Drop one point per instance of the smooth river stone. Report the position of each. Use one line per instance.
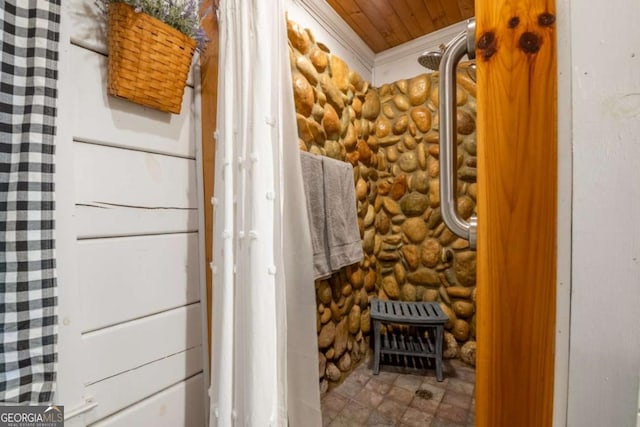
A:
(422, 118)
(465, 268)
(402, 85)
(365, 322)
(370, 280)
(342, 335)
(384, 187)
(350, 138)
(339, 73)
(307, 69)
(361, 189)
(368, 241)
(356, 104)
(450, 314)
(422, 156)
(324, 292)
(302, 93)
(408, 292)
(354, 319)
(472, 190)
(465, 122)
(430, 295)
(408, 161)
(463, 308)
(460, 330)
(388, 111)
(364, 152)
(420, 182)
(468, 353)
(392, 154)
(465, 206)
(400, 125)
(322, 364)
(415, 229)
(370, 216)
(459, 291)
(450, 350)
(382, 223)
(390, 286)
(331, 123)
(424, 276)
(298, 37)
(433, 167)
(409, 142)
(333, 94)
(345, 362)
(434, 193)
(334, 150)
(304, 132)
(391, 206)
(399, 187)
(410, 253)
(318, 59)
(327, 335)
(319, 135)
(371, 106)
(399, 272)
(401, 102)
(430, 252)
(419, 89)
(414, 204)
(326, 316)
(333, 372)
(356, 80)
(383, 127)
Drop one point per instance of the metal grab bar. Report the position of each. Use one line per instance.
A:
(463, 43)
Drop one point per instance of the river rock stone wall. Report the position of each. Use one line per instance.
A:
(390, 136)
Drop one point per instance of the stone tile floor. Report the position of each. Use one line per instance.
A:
(402, 397)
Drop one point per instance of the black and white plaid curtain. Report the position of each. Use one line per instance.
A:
(29, 32)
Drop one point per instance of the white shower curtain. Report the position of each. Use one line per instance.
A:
(264, 354)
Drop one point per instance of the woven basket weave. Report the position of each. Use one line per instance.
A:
(148, 60)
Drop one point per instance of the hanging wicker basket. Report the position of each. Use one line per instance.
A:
(148, 60)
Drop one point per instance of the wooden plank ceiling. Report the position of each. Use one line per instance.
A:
(383, 24)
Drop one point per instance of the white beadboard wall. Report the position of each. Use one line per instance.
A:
(132, 341)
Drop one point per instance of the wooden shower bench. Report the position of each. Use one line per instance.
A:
(423, 315)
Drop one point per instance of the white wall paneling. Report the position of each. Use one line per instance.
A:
(128, 246)
(118, 392)
(605, 332)
(117, 122)
(126, 346)
(178, 405)
(140, 275)
(123, 192)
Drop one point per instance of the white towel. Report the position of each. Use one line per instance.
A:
(313, 177)
(340, 203)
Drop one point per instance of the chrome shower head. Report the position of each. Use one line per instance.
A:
(430, 60)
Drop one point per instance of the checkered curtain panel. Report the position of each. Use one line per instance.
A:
(29, 32)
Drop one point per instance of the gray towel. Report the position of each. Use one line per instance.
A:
(343, 234)
(313, 177)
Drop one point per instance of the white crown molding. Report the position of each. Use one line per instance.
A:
(417, 46)
(329, 19)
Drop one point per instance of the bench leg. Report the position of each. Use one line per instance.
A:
(376, 347)
(439, 338)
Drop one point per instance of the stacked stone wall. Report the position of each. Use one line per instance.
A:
(390, 136)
